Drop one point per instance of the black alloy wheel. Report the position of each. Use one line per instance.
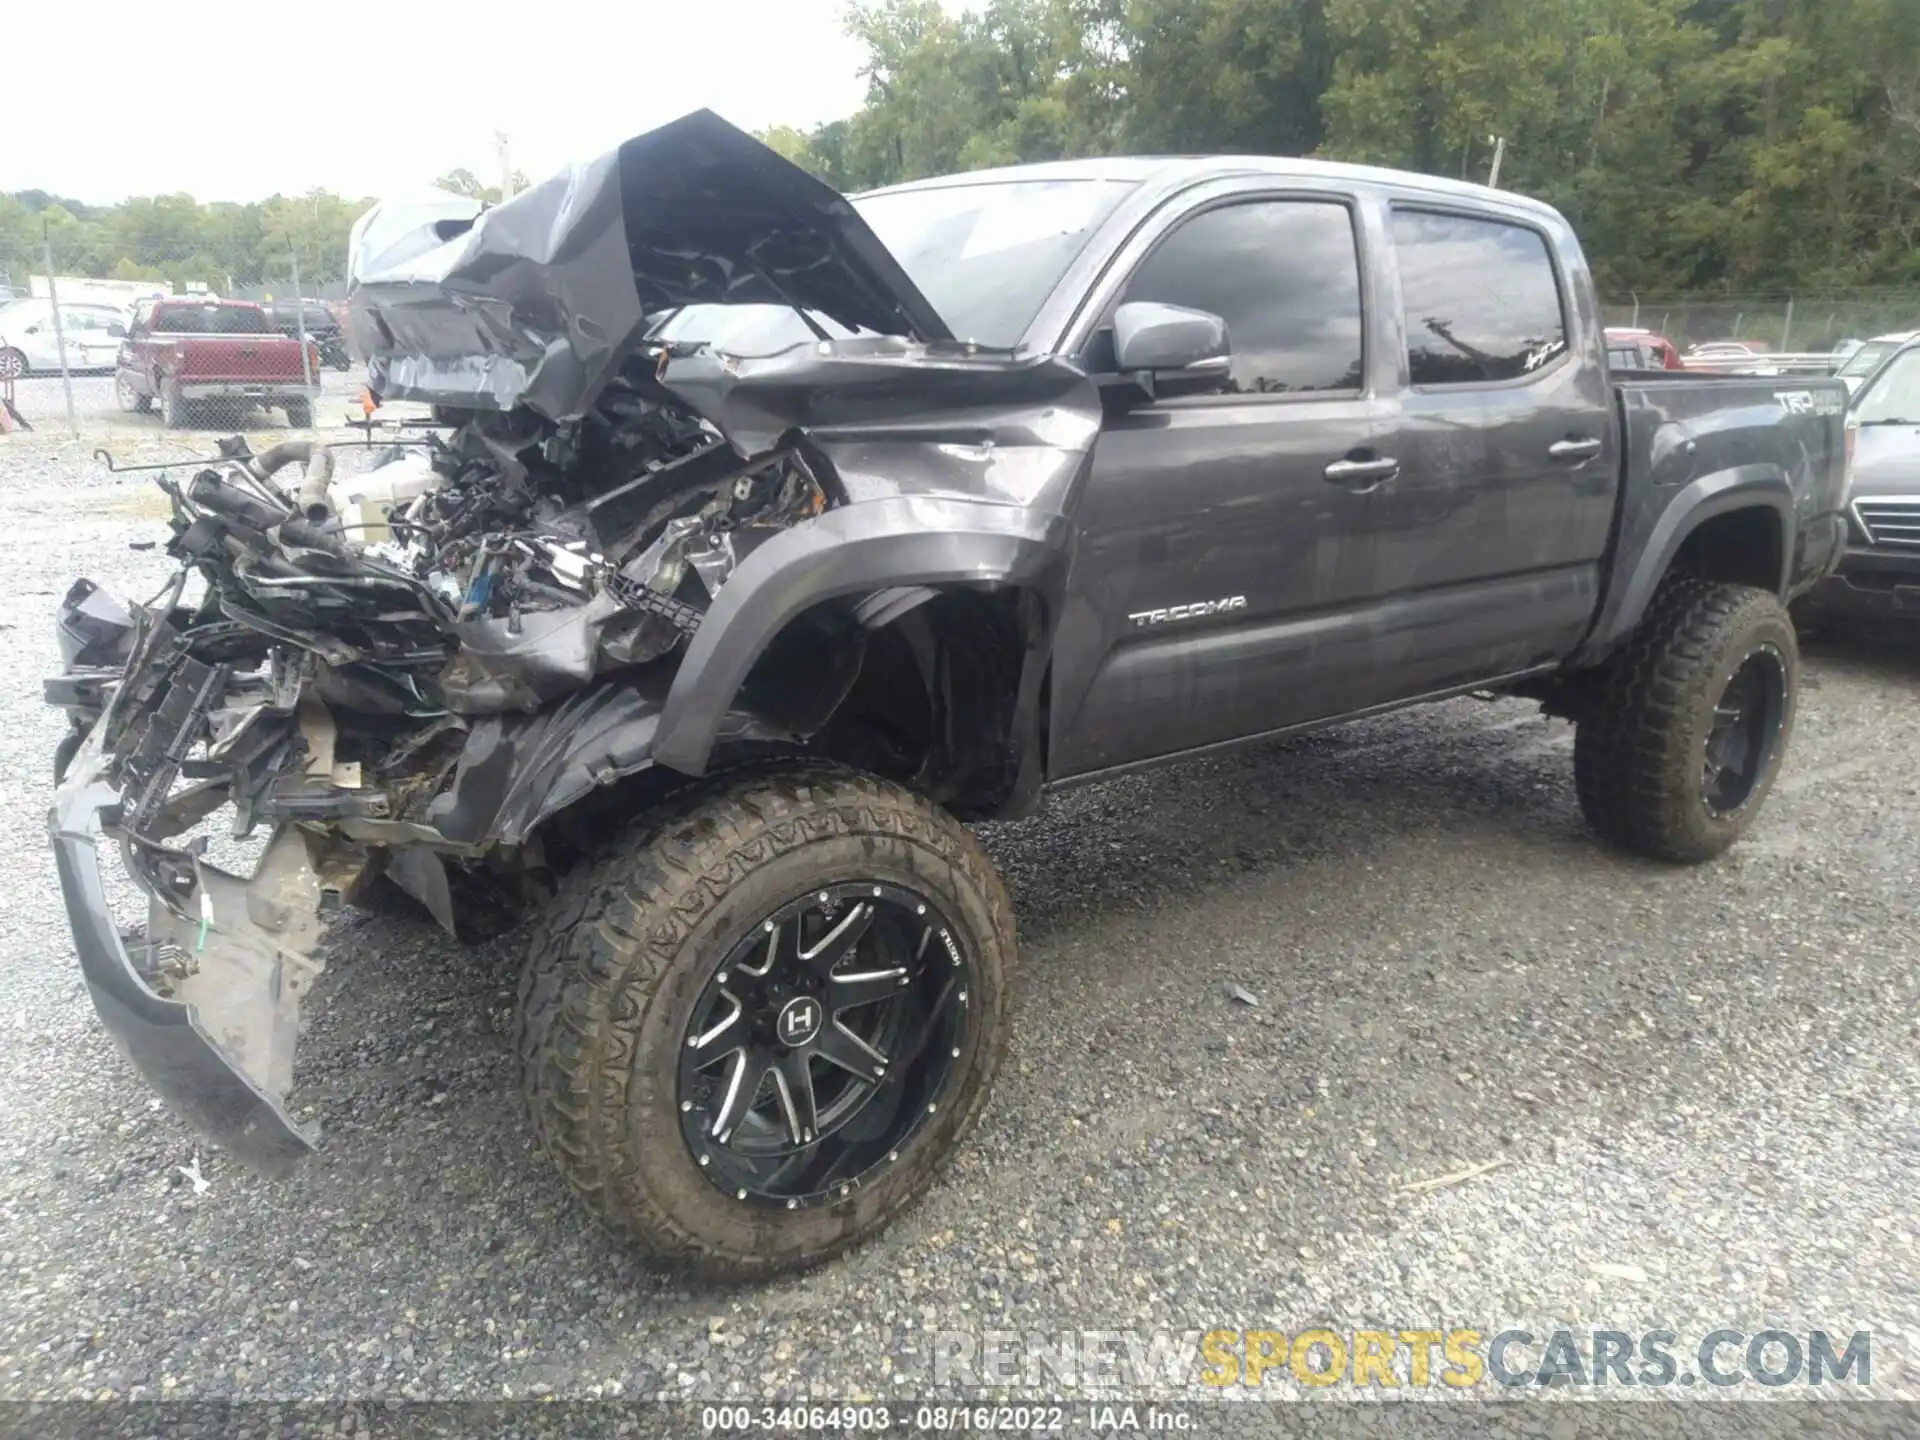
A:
(822, 1042)
(1746, 731)
(795, 973)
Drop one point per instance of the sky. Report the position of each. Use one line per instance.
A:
(238, 101)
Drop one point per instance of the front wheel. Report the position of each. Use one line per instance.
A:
(1687, 725)
(129, 399)
(13, 364)
(752, 1032)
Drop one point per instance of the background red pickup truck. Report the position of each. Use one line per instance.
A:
(197, 354)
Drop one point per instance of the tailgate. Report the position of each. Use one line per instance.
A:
(252, 359)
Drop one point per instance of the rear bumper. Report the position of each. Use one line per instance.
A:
(278, 390)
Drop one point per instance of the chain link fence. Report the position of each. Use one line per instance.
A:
(109, 333)
(1799, 322)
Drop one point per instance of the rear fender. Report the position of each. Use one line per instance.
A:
(1636, 577)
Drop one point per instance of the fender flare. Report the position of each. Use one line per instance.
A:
(873, 545)
(1742, 487)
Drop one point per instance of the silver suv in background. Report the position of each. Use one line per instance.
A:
(1869, 356)
(1880, 574)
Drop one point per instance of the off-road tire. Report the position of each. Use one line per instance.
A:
(1639, 751)
(619, 958)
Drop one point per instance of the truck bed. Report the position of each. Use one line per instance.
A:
(1716, 433)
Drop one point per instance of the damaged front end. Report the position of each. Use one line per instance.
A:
(401, 672)
(614, 556)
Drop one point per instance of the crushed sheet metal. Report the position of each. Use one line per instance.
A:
(538, 301)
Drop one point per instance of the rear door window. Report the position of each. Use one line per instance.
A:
(1481, 298)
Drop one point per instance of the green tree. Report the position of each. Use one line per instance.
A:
(463, 181)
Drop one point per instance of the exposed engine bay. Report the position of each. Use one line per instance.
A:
(356, 630)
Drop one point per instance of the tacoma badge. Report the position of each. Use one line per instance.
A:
(1223, 606)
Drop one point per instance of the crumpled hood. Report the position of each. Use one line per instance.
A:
(536, 302)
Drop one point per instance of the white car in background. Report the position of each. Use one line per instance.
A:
(30, 346)
(1864, 361)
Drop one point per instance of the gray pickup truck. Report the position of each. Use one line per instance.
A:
(769, 536)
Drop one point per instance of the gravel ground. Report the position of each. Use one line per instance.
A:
(1700, 1084)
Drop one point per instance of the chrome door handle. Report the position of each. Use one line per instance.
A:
(1574, 449)
(1362, 472)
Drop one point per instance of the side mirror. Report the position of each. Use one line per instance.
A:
(1171, 350)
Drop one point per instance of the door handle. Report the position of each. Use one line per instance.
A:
(1363, 473)
(1574, 449)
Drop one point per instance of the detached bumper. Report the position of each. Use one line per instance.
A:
(165, 1038)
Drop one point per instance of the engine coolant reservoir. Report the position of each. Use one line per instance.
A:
(364, 501)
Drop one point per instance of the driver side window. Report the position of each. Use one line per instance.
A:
(1284, 275)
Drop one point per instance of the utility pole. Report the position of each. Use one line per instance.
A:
(1499, 154)
(59, 330)
(503, 152)
(300, 315)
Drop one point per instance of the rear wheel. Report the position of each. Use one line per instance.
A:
(300, 414)
(175, 413)
(752, 1032)
(1686, 727)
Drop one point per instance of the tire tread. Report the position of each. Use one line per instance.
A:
(606, 943)
(1634, 771)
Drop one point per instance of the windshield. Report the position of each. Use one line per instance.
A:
(1866, 358)
(985, 256)
(1894, 396)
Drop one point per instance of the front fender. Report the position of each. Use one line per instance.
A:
(516, 772)
(1637, 576)
(905, 540)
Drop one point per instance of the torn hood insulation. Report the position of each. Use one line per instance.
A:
(537, 302)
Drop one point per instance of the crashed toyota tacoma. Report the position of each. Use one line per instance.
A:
(764, 537)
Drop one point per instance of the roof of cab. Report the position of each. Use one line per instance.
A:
(1174, 171)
